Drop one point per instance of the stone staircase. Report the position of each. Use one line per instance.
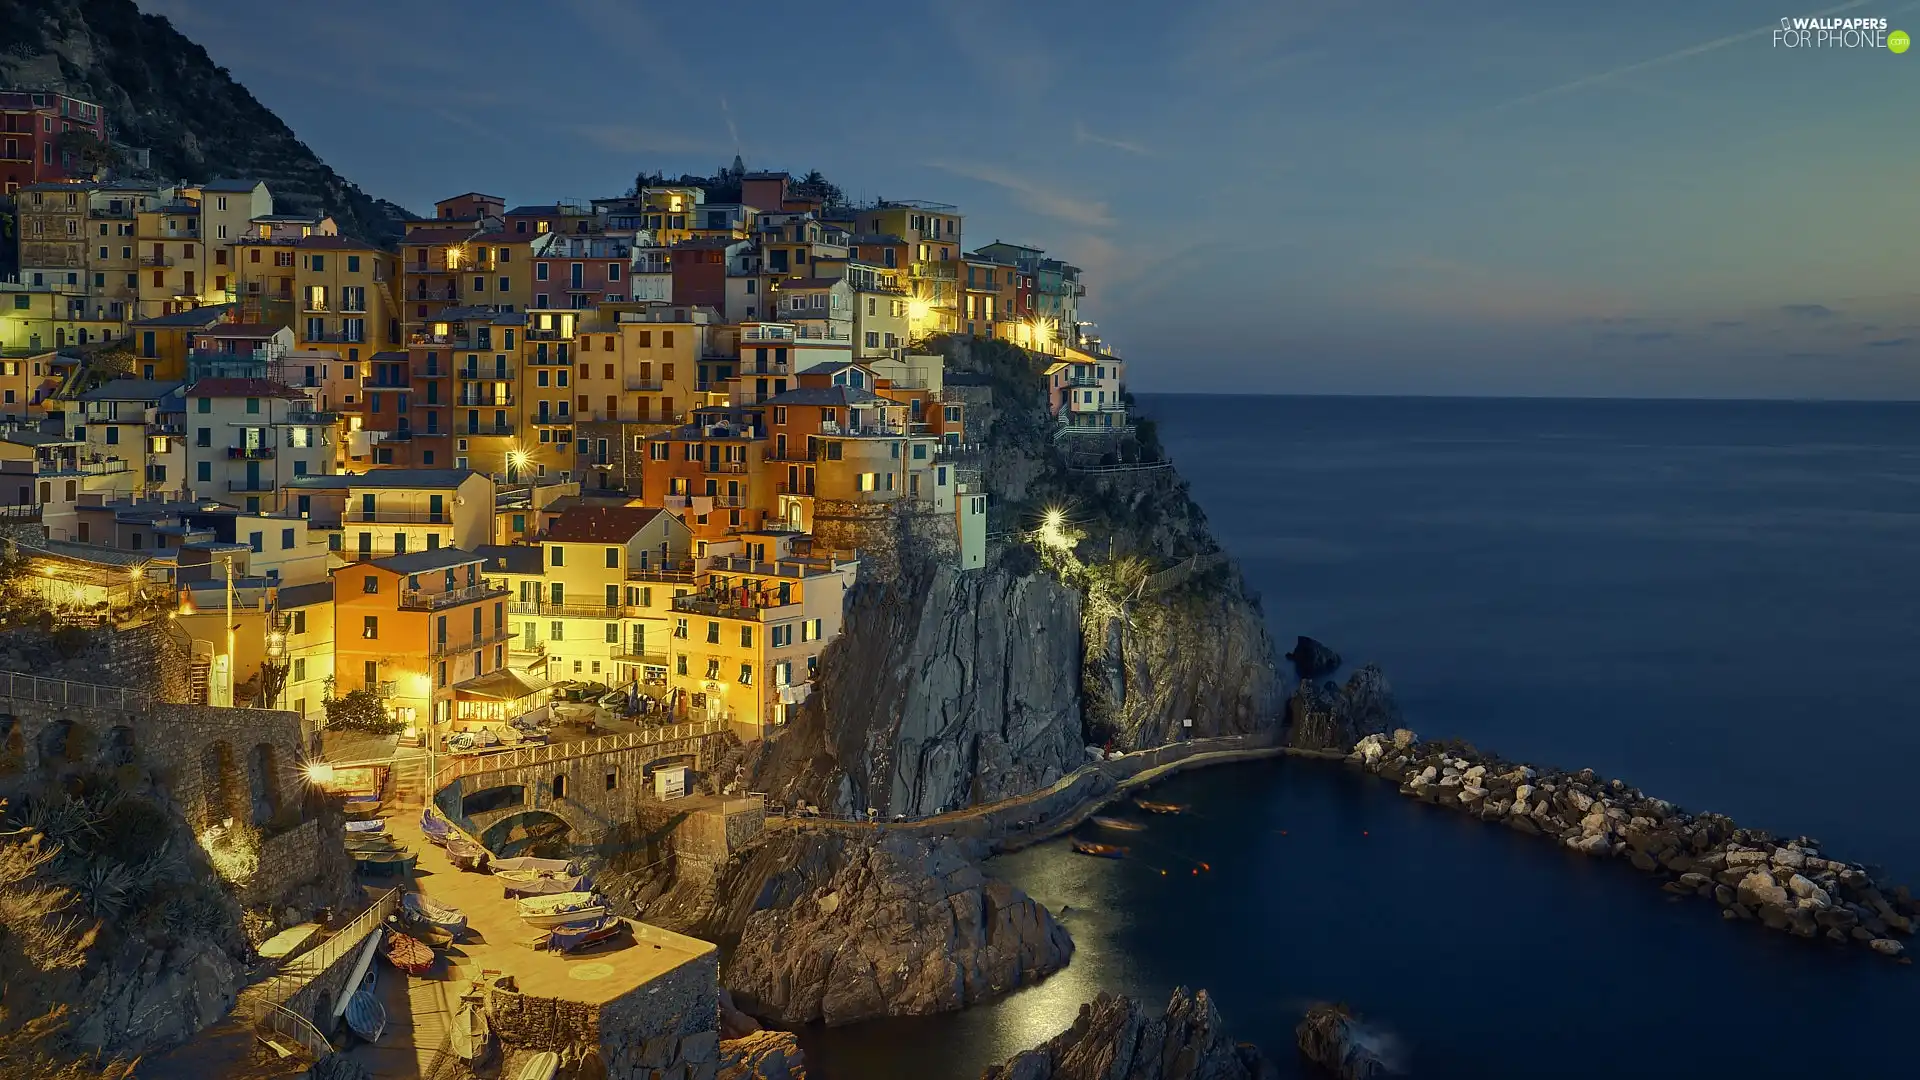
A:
(408, 780)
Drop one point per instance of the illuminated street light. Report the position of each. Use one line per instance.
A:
(319, 772)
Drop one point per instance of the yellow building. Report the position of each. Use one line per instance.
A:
(161, 343)
(344, 299)
(932, 235)
(35, 318)
(461, 266)
(385, 512)
(172, 258)
(264, 279)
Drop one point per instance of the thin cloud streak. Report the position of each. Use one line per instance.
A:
(1082, 135)
(1032, 195)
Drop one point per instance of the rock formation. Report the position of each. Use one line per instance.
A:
(1115, 1038)
(1327, 716)
(1312, 660)
(1331, 1037)
(1783, 884)
(763, 1055)
(837, 926)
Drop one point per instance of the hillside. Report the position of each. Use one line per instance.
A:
(163, 92)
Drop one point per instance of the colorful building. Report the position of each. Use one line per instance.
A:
(43, 136)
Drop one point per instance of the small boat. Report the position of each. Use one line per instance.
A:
(1102, 851)
(573, 936)
(452, 920)
(383, 862)
(615, 700)
(470, 1033)
(409, 954)
(465, 854)
(436, 828)
(371, 827)
(406, 922)
(365, 1015)
(1159, 807)
(521, 886)
(561, 908)
(540, 1066)
(1119, 824)
(527, 862)
(374, 843)
(362, 807)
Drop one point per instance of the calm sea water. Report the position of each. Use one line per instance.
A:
(1714, 600)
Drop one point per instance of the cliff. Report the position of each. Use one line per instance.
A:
(163, 92)
(950, 689)
(1115, 1038)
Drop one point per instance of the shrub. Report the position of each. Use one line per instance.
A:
(362, 710)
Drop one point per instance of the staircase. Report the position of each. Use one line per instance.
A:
(408, 782)
(199, 676)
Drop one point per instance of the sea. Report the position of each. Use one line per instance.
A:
(1714, 600)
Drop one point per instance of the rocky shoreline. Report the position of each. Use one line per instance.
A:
(1783, 884)
(1115, 1037)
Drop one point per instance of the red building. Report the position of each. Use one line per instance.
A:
(700, 271)
(406, 399)
(31, 124)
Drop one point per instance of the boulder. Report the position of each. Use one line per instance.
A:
(1886, 946)
(1723, 895)
(1312, 660)
(762, 1055)
(1114, 1037)
(1758, 888)
(1331, 1037)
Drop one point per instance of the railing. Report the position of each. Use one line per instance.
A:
(19, 513)
(726, 609)
(339, 337)
(249, 453)
(277, 1019)
(502, 400)
(828, 427)
(422, 600)
(575, 611)
(448, 648)
(252, 484)
(622, 654)
(76, 694)
(432, 371)
(729, 502)
(379, 515)
(432, 294)
(156, 260)
(527, 756)
(651, 385)
(498, 374)
(672, 571)
(489, 429)
(803, 488)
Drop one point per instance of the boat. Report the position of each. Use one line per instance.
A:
(365, 1015)
(540, 1066)
(574, 936)
(383, 862)
(522, 885)
(1102, 851)
(1119, 824)
(409, 954)
(1159, 807)
(406, 922)
(450, 919)
(469, 1034)
(465, 854)
(370, 827)
(561, 908)
(374, 843)
(436, 828)
(527, 862)
(362, 807)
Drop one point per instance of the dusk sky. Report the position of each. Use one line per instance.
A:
(1482, 197)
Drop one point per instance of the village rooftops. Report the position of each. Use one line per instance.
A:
(210, 315)
(455, 235)
(600, 524)
(128, 512)
(331, 243)
(828, 395)
(23, 437)
(384, 478)
(230, 184)
(502, 685)
(291, 219)
(707, 243)
(244, 388)
(244, 331)
(84, 553)
(131, 390)
(512, 558)
(390, 356)
(425, 562)
(318, 592)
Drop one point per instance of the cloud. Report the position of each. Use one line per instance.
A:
(1808, 311)
(1082, 135)
(1890, 343)
(1033, 195)
(1658, 61)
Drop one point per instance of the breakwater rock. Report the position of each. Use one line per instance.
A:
(1115, 1038)
(1330, 716)
(1333, 1038)
(843, 925)
(1784, 884)
(763, 1055)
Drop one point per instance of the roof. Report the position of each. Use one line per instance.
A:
(230, 183)
(333, 243)
(470, 194)
(385, 478)
(456, 235)
(23, 437)
(708, 242)
(421, 562)
(827, 395)
(131, 390)
(602, 524)
(192, 317)
(503, 684)
(292, 219)
(523, 211)
(244, 388)
(513, 558)
(319, 592)
(84, 553)
(390, 356)
(251, 331)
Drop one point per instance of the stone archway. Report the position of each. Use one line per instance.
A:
(521, 831)
(263, 782)
(13, 744)
(219, 784)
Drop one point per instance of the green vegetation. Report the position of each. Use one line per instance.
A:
(361, 710)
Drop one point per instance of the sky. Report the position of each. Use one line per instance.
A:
(1290, 196)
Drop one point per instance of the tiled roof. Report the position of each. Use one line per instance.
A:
(604, 524)
(249, 331)
(826, 395)
(131, 390)
(244, 388)
(421, 562)
(192, 317)
(385, 478)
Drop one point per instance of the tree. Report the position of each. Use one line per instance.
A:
(362, 710)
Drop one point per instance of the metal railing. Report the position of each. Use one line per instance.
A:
(526, 756)
(61, 692)
(381, 515)
(649, 385)
(253, 484)
(249, 453)
(422, 600)
(448, 648)
(156, 260)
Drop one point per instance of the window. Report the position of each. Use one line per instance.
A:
(613, 780)
(370, 627)
(558, 556)
(680, 631)
(613, 558)
(371, 673)
(869, 481)
(540, 272)
(557, 631)
(255, 541)
(204, 471)
(286, 539)
(613, 633)
(370, 584)
(782, 636)
(299, 669)
(810, 630)
(299, 622)
(746, 674)
(746, 637)
(713, 633)
(680, 665)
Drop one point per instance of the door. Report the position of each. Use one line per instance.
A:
(435, 507)
(253, 476)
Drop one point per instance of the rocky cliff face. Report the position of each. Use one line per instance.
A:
(1330, 716)
(164, 93)
(839, 926)
(1115, 1038)
(946, 689)
(1201, 654)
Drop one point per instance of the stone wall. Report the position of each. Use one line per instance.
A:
(666, 1029)
(589, 807)
(712, 833)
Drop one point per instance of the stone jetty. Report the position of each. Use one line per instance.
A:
(1783, 884)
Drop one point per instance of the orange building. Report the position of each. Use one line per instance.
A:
(416, 626)
(713, 472)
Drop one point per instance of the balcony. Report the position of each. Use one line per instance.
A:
(258, 483)
(497, 373)
(505, 428)
(805, 487)
(484, 397)
(938, 271)
(624, 654)
(156, 260)
(440, 295)
(432, 371)
(575, 611)
(439, 648)
(380, 515)
(249, 453)
(339, 337)
(422, 600)
(863, 431)
(314, 305)
(724, 609)
(678, 570)
(728, 502)
(641, 385)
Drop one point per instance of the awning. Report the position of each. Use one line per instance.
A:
(505, 684)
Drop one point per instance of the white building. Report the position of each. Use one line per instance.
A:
(246, 438)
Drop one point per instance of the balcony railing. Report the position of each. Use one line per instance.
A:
(312, 304)
(488, 429)
(805, 487)
(828, 427)
(634, 382)
(249, 453)
(675, 570)
(501, 374)
(156, 260)
(725, 609)
(438, 648)
(339, 337)
(576, 610)
(381, 515)
(422, 600)
(475, 396)
(729, 502)
(432, 371)
(253, 484)
(434, 294)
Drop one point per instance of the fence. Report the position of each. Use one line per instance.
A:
(264, 1003)
(1180, 573)
(78, 695)
(528, 756)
